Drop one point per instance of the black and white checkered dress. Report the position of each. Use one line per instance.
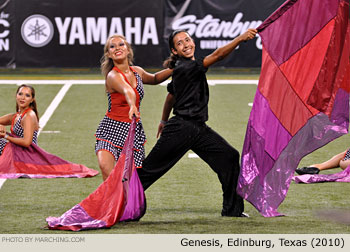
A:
(347, 155)
(3, 142)
(111, 134)
(19, 132)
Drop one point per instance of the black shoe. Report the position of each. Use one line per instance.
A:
(307, 170)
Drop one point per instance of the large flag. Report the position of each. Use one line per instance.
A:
(33, 162)
(302, 100)
(119, 198)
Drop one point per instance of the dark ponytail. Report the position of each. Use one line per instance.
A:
(170, 61)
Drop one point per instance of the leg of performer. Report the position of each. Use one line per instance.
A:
(224, 160)
(175, 140)
(345, 161)
(106, 162)
(334, 162)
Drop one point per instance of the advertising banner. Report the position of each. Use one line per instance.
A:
(66, 33)
(69, 33)
(213, 23)
(7, 56)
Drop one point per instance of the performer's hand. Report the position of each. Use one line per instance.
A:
(160, 129)
(133, 111)
(249, 34)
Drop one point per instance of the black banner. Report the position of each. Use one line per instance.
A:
(69, 33)
(66, 33)
(213, 23)
(7, 56)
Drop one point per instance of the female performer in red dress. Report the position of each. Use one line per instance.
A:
(124, 87)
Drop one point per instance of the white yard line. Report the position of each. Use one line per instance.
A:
(94, 82)
(224, 82)
(52, 82)
(2, 181)
(49, 111)
(52, 107)
(232, 82)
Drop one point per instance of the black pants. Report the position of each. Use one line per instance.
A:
(181, 135)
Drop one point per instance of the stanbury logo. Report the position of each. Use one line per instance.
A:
(214, 28)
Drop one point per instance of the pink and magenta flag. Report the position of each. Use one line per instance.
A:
(33, 162)
(119, 198)
(302, 99)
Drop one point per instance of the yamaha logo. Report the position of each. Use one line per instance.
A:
(37, 30)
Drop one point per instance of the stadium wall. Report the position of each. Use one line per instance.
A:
(71, 33)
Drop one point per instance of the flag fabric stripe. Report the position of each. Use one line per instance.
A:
(282, 99)
(276, 135)
(302, 76)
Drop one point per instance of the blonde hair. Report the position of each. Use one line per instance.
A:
(106, 62)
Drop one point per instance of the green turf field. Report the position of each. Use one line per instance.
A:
(187, 199)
